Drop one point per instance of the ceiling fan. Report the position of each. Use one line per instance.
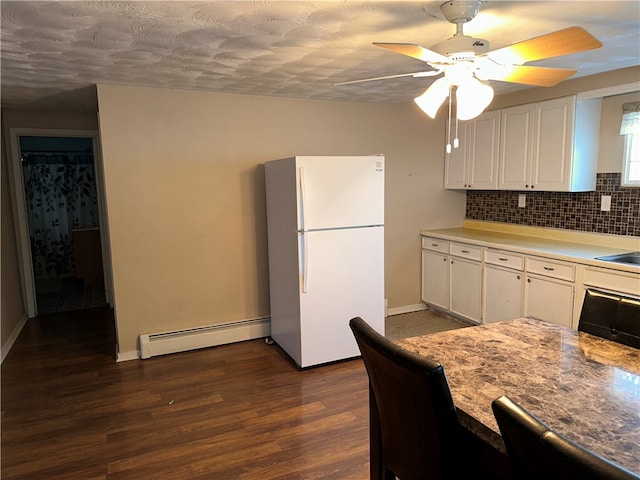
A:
(466, 61)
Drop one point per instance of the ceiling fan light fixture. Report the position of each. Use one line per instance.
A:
(487, 69)
(433, 97)
(472, 97)
(459, 73)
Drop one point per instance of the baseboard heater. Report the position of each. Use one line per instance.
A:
(155, 344)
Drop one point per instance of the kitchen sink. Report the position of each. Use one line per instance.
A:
(632, 258)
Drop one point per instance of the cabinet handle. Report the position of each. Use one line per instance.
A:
(434, 244)
(444, 259)
(464, 251)
(518, 277)
(550, 269)
(528, 280)
(502, 259)
(526, 186)
(532, 186)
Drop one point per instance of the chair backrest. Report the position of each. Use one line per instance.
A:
(612, 316)
(537, 452)
(418, 421)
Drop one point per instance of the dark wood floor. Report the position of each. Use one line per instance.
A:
(239, 411)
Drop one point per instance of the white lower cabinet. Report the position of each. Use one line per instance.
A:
(466, 280)
(503, 289)
(452, 277)
(549, 290)
(503, 285)
(487, 284)
(466, 288)
(549, 299)
(435, 278)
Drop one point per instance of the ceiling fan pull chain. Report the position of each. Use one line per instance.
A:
(456, 142)
(449, 125)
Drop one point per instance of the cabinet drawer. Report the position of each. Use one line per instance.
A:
(435, 244)
(549, 268)
(466, 251)
(505, 259)
(614, 280)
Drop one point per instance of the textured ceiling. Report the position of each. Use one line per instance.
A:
(52, 53)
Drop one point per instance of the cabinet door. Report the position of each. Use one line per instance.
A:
(552, 144)
(549, 299)
(435, 279)
(515, 147)
(456, 162)
(502, 294)
(483, 151)
(466, 288)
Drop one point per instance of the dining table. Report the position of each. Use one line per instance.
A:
(584, 387)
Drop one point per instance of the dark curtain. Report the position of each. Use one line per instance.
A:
(61, 195)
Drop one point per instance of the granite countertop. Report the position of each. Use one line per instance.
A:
(584, 387)
(584, 253)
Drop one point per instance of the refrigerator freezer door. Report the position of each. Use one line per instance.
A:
(337, 192)
(345, 280)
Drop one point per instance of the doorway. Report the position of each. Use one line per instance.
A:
(59, 218)
(64, 226)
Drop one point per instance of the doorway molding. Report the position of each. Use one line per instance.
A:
(16, 181)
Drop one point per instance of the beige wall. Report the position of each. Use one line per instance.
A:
(185, 196)
(611, 148)
(12, 311)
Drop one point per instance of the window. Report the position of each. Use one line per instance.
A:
(631, 173)
(630, 129)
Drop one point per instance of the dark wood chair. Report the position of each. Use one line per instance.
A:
(414, 429)
(537, 452)
(612, 316)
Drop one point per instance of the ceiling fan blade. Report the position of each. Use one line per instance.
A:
(535, 76)
(415, 51)
(414, 74)
(554, 44)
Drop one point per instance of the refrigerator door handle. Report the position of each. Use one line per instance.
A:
(303, 230)
(303, 201)
(305, 262)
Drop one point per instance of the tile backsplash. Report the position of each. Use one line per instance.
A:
(570, 211)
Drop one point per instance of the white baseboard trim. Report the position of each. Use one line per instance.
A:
(126, 356)
(6, 346)
(406, 309)
(202, 337)
(174, 342)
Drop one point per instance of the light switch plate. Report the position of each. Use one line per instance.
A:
(522, 200)
(605, 203)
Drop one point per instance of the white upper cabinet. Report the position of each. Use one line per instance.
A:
(474, 164)
(515, 147)
(550, 145)
(456, 162)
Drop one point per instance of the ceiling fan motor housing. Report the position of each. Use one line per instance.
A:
(462, 47)
(460, 11)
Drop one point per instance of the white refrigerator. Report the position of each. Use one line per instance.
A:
(325, 222)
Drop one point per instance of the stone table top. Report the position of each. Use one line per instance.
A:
(584, 387)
